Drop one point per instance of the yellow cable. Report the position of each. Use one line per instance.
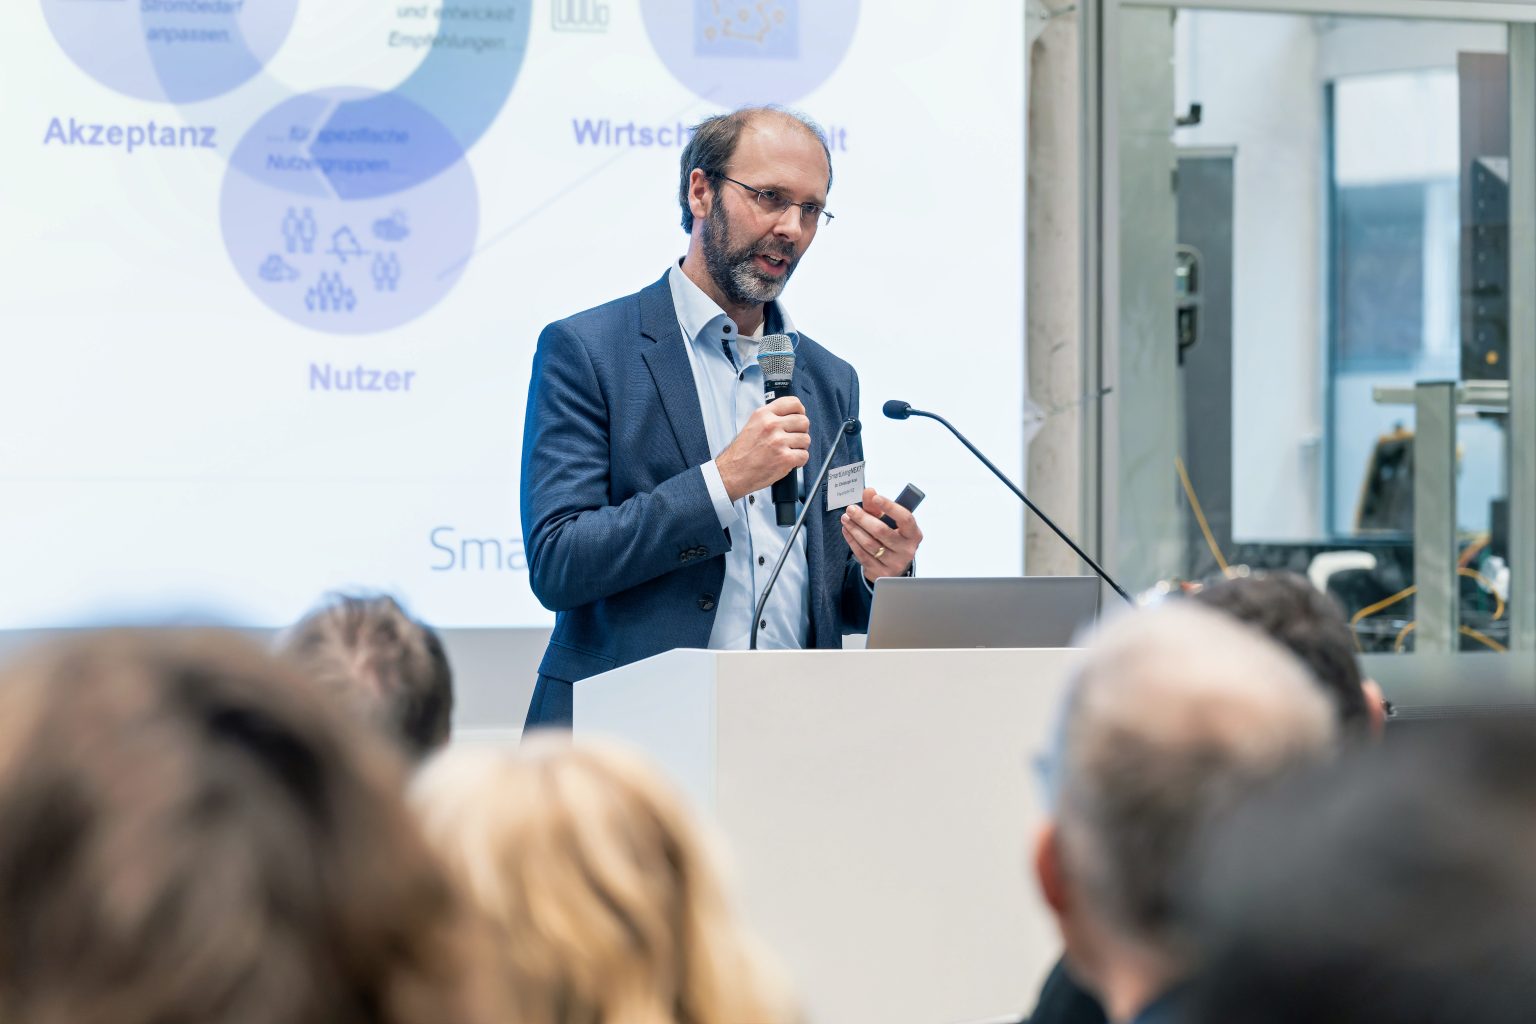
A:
(1386, 602)
(1487, 584)
(1205, 527)
(1371, 609)
(1480, 541)
(1397, 645)
(1486, 641)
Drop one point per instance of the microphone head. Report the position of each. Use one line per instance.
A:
(776, 355)
(896, 409)
(852, 427)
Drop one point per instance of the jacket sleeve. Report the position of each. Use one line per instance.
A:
(581, 548)
(856, 596)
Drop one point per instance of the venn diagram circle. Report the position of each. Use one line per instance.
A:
(353, 211)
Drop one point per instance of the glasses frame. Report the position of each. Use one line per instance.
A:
(771, 202)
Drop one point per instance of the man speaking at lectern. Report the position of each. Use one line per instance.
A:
(649, 454)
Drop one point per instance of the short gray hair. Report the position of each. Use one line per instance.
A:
(712, 143)
(1173, 716)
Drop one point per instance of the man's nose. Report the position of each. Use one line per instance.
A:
(790, 224)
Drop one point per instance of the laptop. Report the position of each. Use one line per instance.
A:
(1009, 611)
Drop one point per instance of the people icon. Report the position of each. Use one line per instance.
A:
(307, 230)
(386, 272)
(291, 229)
(330, 294)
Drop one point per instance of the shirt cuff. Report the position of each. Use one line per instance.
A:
(911, 571)
(724, 510)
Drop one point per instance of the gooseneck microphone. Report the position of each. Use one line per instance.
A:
(777, 358)
(898, 410)
(850, 427)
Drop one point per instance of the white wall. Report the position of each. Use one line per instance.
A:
(1256, 77)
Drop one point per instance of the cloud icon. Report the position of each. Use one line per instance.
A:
(392, 228)
(274, 269)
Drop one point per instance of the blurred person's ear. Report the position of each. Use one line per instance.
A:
(1048, 870)
(1375, 707)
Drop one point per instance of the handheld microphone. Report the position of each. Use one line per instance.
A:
(850, 427)
(777, 358)
(898, 410)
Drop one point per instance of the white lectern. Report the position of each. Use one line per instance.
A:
(880, 809)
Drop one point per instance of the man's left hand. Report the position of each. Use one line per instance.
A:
(881, 550)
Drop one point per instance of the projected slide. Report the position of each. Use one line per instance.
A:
(274, 270)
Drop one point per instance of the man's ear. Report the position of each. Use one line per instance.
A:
(1375, 707)
(1048, 869)
(700, 194)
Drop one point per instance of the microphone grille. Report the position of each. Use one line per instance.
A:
(776, 355)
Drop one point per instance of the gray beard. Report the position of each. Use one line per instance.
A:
(733, 272)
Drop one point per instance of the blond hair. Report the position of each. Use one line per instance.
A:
(609, 907)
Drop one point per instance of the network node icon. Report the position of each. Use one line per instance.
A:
(747, 29)
(344, 244)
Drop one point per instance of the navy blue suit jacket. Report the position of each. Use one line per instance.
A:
(622, 540)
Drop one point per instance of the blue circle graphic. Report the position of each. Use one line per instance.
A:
(180, 51)
(346, 210)
(735, 52)
(349, 212)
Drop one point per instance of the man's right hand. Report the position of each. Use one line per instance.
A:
(775, 440)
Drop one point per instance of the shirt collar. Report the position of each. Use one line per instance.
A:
(701, 318)
(1165, 1007)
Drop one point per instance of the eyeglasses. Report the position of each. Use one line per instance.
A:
(773, 204)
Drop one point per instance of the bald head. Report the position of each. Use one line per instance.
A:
(1174, 713)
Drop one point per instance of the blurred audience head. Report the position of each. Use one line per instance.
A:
(1174, 714)
(378, 659)
(1307, 622)
(608, 907)
(188, 833)
(1396, 888)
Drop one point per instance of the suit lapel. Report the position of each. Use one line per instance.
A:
(822, 433)
(667, 360)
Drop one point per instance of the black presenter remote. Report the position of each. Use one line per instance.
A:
(909, 498)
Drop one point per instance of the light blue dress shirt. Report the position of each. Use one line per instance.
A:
(730, 387)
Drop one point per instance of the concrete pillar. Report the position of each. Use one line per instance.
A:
(1053, 290)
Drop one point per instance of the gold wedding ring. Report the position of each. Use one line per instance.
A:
(881, 551)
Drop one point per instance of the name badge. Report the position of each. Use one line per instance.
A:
(845, 485)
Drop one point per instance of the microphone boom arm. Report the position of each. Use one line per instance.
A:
(1025, 499)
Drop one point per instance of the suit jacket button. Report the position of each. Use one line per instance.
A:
(706, 602)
